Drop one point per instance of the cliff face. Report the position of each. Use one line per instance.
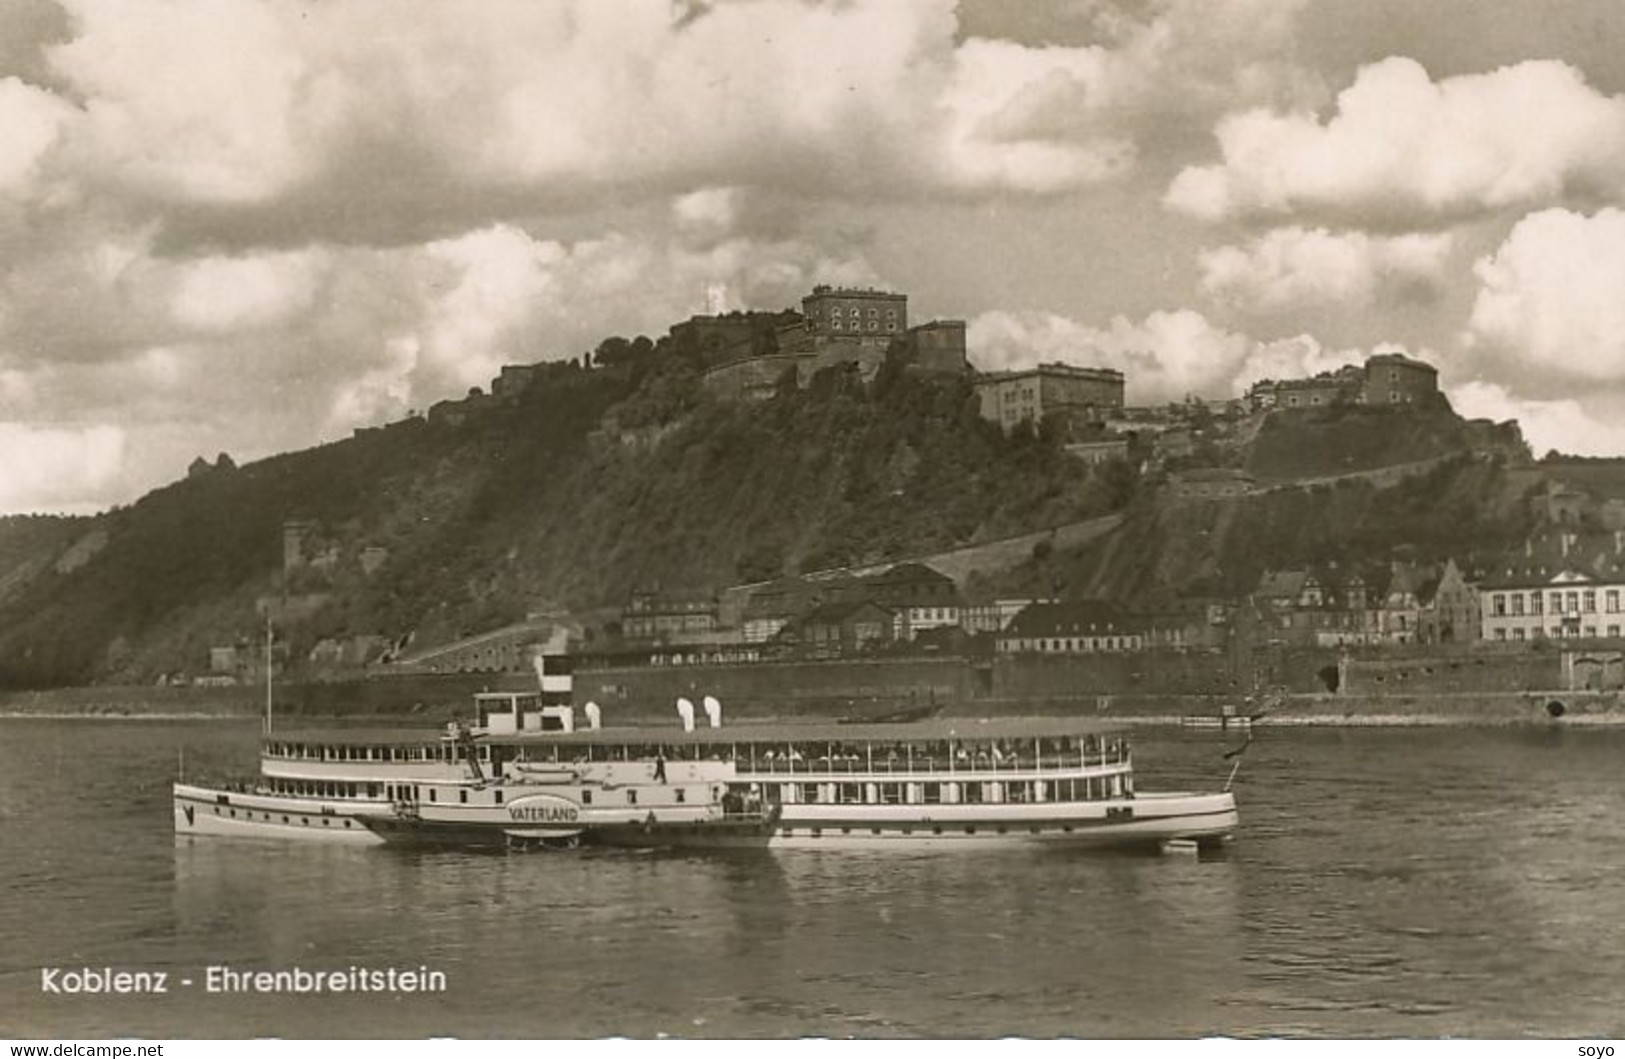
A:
(588, 484)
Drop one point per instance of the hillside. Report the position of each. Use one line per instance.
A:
(28, 543)
(1327, 442)
(588, 484)
(1170, 547)
(619, 472)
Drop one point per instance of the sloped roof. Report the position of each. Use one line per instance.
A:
(907, 573)
(1091, 617)
(1281, 583)
(835, 613)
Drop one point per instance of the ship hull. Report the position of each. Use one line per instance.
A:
(1143, 822)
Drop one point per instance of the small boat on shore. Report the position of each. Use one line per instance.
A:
(1228, 718)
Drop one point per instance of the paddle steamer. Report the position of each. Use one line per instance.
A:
(964, 783)
(959, 783)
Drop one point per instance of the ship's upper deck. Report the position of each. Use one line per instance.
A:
(926, 731)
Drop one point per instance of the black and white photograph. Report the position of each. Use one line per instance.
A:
(626, 520)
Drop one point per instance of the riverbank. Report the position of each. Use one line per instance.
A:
(1572, 708)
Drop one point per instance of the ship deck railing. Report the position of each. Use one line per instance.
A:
(855, 766)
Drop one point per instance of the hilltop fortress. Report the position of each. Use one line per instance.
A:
(836, 327)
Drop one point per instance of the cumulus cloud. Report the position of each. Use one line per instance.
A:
(1043, 119)
(1168, 356)
(33, 120)
(1400, 147)
(1564, 424)
(238, 106)
(1295, 267)
(1300, 357)
(1548, 307)
(224, 293)
(50, 468)
(210, 102)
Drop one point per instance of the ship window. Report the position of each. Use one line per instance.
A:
(631, 797)
(931, 793)
(682, 796)
(499, 797)
(586, 797)
(462, 796)
(432, 794)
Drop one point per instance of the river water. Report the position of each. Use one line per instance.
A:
(1385, 882)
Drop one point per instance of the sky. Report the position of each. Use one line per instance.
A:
(247, 227)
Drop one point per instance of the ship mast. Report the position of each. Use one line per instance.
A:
(267, 670)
